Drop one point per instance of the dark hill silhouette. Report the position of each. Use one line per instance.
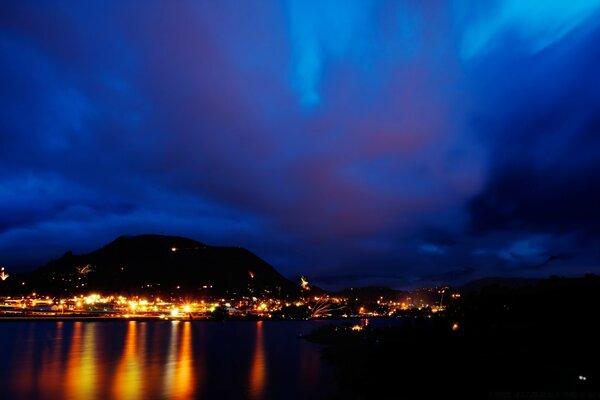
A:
(369, 294)
(502, 282)
(161, 264)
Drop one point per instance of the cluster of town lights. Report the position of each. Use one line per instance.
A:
(316, 305)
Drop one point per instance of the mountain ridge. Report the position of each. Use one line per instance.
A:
(152, 263)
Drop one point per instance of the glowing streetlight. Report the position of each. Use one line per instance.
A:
(3, 274)
(84, 270)
(304, 283)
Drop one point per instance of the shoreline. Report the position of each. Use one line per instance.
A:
(91, 318)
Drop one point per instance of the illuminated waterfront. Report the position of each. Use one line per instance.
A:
(94, 305)
(170, 359)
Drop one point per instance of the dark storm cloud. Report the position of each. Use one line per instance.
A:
(524, 198)
(329, 137)
(552, 259)
(544, 155)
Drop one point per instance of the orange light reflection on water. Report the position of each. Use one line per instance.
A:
(127, 382)
(259, 366)
(179, 380)
(129, 360)
(81, 375)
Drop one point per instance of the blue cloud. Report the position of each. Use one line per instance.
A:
(432, 249)
(322, 31)
(537, 24)
(327, 136)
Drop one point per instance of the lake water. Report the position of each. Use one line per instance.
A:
(156, 360)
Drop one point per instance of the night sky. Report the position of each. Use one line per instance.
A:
(354, 142)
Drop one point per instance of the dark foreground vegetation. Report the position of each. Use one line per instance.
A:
(537, 341)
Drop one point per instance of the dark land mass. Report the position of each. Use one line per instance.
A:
(504, 282)
(499, 342)
(155, 264)
(370, 294)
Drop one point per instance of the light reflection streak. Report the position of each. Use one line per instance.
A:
(184, 387)
(127, 382)
(171, 360)
(180, 382)
(81, 378)
(258, 368)
(79, 360)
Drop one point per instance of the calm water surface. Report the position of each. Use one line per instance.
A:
(156, 360)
